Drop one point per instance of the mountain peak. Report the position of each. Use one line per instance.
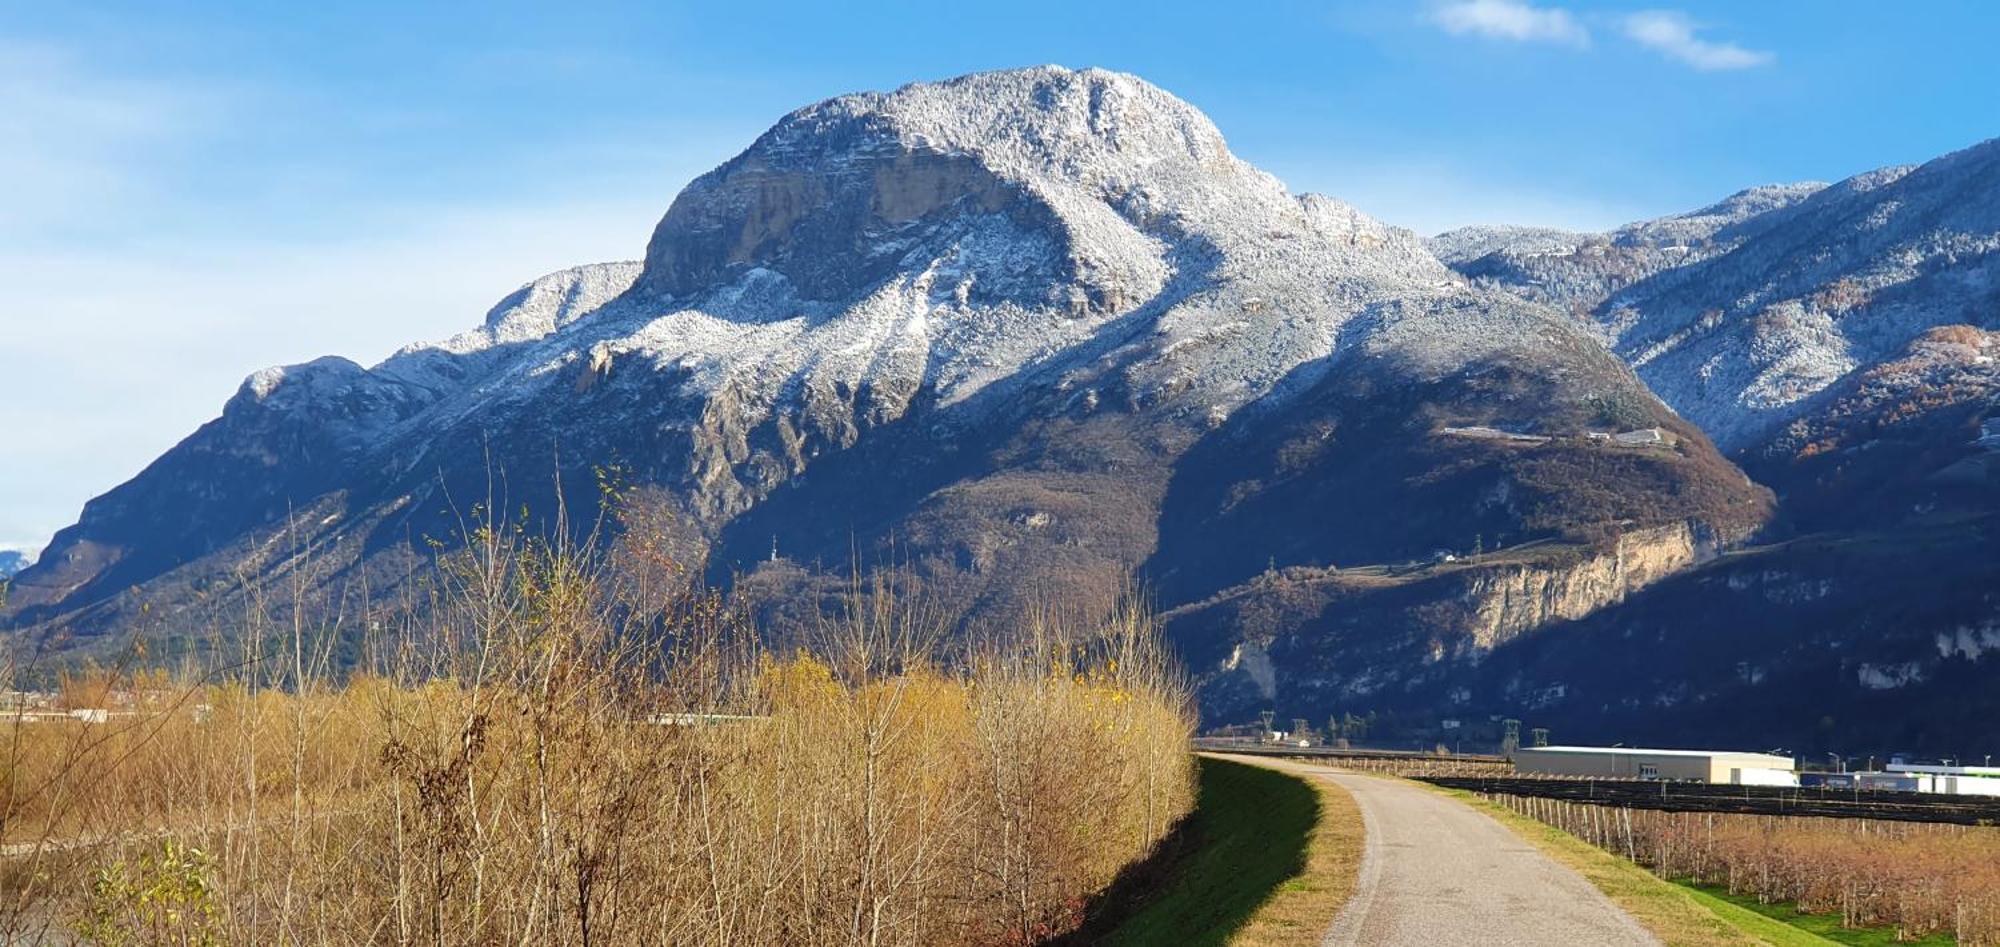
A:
(1042, 115)
(1103, 168)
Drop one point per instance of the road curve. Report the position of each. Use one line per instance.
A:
(1437, 871)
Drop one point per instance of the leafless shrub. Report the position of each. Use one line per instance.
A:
(1917, 878)
(554, 744)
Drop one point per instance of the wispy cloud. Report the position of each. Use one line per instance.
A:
(1511, 20)
(1672, 33)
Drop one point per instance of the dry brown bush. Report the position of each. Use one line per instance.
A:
(548, 751)
(1917, 878)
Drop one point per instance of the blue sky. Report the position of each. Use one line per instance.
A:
(189, 191)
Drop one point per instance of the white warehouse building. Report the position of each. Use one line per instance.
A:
(1952, 780)
(1617, 762)
(1915, 777)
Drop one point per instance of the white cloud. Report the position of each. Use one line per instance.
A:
(1673, 34)
(1511, 20)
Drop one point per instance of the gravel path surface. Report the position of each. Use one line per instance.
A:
(1437, 871)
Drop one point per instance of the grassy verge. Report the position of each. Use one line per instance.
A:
(1824, 926)
(1266, 859)
(1679, 916)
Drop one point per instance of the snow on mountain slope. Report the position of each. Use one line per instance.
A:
(946, 236)
(1739, 315)
(1578, 271)
(937, 240)
(1742, 342)
(950, 234)
(1904, 440)
(1465, 245)
(982, 324)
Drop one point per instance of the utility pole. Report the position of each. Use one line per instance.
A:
(1510, 738)
(1267, 716)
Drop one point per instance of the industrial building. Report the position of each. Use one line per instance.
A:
(1917, 777)
(1617, 762)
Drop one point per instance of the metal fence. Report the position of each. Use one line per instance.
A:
(1746, 800)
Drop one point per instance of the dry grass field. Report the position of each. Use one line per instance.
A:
(554, 752)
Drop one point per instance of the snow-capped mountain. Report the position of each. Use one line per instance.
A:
(12, 561)
(1578, 271)
(1017, 326)
(1039, 330)
(1740, 314)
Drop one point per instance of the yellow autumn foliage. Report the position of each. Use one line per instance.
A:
(543, 773)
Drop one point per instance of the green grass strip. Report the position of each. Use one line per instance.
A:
(1246, 839)
(1820, 928)
(1763, 926)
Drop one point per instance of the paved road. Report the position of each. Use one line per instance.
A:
(1436, 871)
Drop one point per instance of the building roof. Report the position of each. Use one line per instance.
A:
(1643, 751)
(1941, 770)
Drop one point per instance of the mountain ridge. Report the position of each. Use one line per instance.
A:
(1769, 302)
(1016, 332)
(1078, 237)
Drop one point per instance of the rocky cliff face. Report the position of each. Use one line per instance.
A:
(1880, 639)
(1875, 638)
(1318, 640)
(1510, 599)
